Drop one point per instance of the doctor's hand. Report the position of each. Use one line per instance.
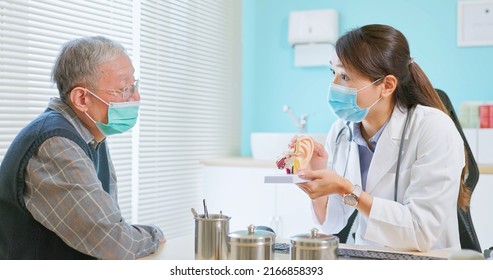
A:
(324, 182)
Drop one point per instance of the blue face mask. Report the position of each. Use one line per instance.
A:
(122, 116)
(343, 101)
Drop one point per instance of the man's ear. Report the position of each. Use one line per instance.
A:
(389, 85)
(78, 99)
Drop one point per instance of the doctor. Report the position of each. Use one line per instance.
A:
(393, 155)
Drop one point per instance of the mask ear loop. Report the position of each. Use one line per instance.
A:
(97, 98)
(368, 86)
(374, 103)
(100, 99)
(90, 117)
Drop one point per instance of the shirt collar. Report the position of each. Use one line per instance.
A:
(358, 138)
(58, 105)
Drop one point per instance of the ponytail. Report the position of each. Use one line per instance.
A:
(422, 85)
(465, 192)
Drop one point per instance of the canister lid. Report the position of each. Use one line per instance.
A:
(314, 239)
(252, 236)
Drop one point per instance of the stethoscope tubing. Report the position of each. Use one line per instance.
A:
(349, 139)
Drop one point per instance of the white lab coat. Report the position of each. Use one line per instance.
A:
(425, 214)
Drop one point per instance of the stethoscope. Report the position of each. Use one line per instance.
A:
(347, 131)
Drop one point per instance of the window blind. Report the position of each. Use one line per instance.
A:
(190, 71)
(187, 54)
(31, 34)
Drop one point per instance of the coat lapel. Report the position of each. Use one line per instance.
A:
(387, 149)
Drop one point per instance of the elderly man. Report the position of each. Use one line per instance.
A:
(58, 196)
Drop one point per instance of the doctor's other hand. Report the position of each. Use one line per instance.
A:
(324, 182)
(292, 143)
(319, 156)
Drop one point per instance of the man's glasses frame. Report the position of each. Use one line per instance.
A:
(126, 92)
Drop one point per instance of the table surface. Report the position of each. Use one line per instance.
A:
(182, 248)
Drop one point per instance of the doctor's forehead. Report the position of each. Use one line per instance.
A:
(335, 63)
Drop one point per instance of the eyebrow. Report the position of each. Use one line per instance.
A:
(337, 65)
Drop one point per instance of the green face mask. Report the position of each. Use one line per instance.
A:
(122, 116)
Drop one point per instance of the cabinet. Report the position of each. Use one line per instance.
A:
(236, 187)
(480, 143)
(240, 192)
(481, 210)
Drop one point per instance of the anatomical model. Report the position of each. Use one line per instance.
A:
(298, 157)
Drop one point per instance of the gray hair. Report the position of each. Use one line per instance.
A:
(79, 60)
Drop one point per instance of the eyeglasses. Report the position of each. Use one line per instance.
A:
(126, 92)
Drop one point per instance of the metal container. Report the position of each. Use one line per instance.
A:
(210, 237)
(314, 246)
(251, 244)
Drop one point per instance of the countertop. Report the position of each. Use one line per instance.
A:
(238, 162)
(484, 168)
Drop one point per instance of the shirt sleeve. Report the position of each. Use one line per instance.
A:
(64, 194)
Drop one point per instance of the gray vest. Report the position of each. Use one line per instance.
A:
(21, 236)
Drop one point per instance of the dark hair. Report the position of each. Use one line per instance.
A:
(375, 51)
(383, 50)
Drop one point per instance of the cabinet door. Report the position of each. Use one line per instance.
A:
(481, 210)
(293, 211)
(240, 193)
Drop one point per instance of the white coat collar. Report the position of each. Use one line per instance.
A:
(387, 149)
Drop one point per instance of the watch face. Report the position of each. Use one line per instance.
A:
(350, 199)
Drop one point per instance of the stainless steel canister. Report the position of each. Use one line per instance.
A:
(251, 244)
(211, 237)
(314, 246)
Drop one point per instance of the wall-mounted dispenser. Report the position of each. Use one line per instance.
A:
(313, 35)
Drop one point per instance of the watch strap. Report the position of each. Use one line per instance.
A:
(357, 190)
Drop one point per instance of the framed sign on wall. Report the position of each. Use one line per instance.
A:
(475, 23)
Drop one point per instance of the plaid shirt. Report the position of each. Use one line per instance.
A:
(64, 194)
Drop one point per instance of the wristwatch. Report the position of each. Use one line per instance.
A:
(352, 198)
